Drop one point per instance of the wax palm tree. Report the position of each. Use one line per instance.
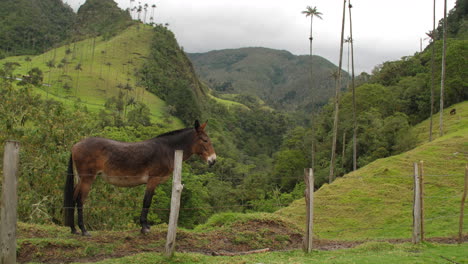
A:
(353, 87)
(331, 177)
(153, 7)
(130, 9)
(312, 12)
(442, 79)
(146, 11)
(432, 37)
(78, 69)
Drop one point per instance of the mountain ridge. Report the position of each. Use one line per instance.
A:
(278, 77)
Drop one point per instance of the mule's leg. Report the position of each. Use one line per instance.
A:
(150, 186)
(145, 227)
(81, 193)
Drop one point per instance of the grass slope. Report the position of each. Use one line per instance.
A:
(375, 202)
(111, 63)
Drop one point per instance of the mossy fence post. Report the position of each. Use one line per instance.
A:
(421, 197)
(416, 206)
(462, 209)
(175, 203)
(9, 203)
(309, 197)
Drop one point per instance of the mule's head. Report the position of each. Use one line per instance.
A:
(203, 146)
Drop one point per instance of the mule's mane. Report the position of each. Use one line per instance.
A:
(175, 132)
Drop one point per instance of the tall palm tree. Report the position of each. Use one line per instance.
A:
(353, 87)
(153, 7)
(431, 36)
(78, 68)
(312, 12)
(130, 9)
(152, 14)
(146, 10)
(442, 79)
(331, 177)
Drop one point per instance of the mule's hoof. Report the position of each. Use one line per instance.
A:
(145, 230)
(75, 233)
(85, 233)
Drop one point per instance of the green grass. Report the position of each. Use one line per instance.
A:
(227, 102)
(366, 253)
(452, 123)
(112, 62)
(375, 202)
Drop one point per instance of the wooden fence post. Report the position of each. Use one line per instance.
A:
(175, 203)
(416, 207)
(421, 188)
(460, 229)
(309, 197)
(9, 203)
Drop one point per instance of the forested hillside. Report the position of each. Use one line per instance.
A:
(101, 17)
(279, 78)
(33, 26)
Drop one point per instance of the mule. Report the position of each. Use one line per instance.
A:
(149, 162)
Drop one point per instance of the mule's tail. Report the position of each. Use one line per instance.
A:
(68, 201)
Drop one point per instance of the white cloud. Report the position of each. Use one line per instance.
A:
(382, 30)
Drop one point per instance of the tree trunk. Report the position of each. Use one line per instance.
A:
(354, 91)
(312, 120)
(433, 70)
(442, 81)
(337, 100)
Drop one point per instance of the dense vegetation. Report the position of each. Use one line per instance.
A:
(31, 27)
(169, 74)
(101, 17)
(396, 98)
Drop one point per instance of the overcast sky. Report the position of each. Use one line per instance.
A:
(383, 30)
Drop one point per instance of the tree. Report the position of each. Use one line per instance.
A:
(351, 40)
(312, 12)
(50, 64)
(432, 39)
(442, 81)
(337, 100)
(146, 10)
(130, 9)
(152, 14)
(78, 69)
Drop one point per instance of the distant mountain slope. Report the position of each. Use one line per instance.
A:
(279, 78)
(95, 70)
(375, 201)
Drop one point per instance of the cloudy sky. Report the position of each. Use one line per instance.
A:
(383, 30)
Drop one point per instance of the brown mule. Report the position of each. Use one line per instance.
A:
(149, 162)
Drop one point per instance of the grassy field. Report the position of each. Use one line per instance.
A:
(371, 253)
(375, 202)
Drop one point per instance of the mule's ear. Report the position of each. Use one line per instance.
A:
(197, 125)
(204, 125)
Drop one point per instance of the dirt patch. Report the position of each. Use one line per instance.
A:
(41, 246)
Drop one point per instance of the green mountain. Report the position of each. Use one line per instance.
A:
(279, 78)
(32, 26)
